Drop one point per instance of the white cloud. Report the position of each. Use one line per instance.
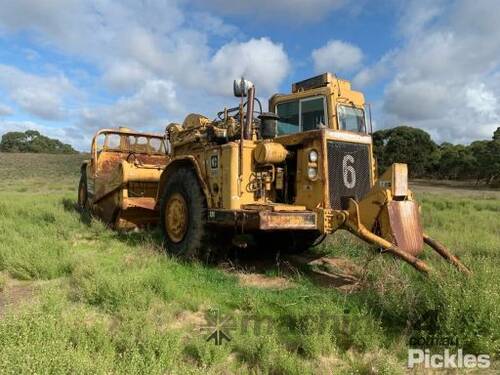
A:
(129, 41)
(260, 60)
(482, 100)
(446, 78)
(134, 41)
(156, 96)
(429, 101)
(369, 75)
(276, 10)
(40, 96)
(337, 56)
(126, 75)
(417, 15)
(49, 131)
(145, 52)
(90, 27)
(11, 126)
(213, 25)
(5, 110)
(154, 100)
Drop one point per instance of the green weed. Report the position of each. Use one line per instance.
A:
(122, 306)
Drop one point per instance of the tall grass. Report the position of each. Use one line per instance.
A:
(107, 302)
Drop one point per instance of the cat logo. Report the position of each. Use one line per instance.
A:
(214, 162)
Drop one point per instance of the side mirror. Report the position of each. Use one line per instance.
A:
(240, 87)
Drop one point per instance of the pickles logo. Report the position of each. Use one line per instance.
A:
(447, 359)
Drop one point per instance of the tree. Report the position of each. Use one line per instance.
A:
(405, 144)
(496, 134)
(456, 162)
(480, 160)
(480, 151)
(33, 141)
(487, 154)
(494, 151)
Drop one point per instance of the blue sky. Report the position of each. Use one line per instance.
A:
(69, 67)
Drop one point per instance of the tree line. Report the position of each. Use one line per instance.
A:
(33, 141)
(479, 161)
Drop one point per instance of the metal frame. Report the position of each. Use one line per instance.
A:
(95, 152)
(325, 110)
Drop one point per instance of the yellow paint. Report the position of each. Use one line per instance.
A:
(270, 153)
(251, 183)
(336, 91)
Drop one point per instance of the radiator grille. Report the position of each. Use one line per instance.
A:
(348, 171)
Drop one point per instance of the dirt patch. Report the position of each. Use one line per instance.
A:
(15, 294)
(325, 364)
(83, 240)
(261, 281)
(338, 273)
(130, 259)
(252, 270)
(188, 319)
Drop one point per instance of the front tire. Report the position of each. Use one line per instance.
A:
(183, 215)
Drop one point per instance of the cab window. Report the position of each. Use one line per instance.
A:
(141, 145)
(312, 113)
(288, 117)
(301, 115)
(100, 142)
(157, 145)
(351, 119)
(112, 142)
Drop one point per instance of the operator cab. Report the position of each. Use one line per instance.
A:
(324, 101)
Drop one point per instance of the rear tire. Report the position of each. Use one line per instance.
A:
(83, 195)
(183, 215)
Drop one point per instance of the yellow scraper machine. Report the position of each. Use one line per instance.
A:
(286, 177)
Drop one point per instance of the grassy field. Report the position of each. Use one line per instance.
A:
(77, 297)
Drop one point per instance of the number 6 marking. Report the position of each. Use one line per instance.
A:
(348, 171)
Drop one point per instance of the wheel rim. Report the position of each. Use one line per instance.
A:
(176, 218)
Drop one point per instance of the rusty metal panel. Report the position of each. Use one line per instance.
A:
(406, 227)
(246, 220)
(399, 179)
(242, 220)
(275, 207)
(147, 203)
(280, 220)
(124, 179)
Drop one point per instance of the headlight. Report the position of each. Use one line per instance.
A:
(313, 156)
(312, 173)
